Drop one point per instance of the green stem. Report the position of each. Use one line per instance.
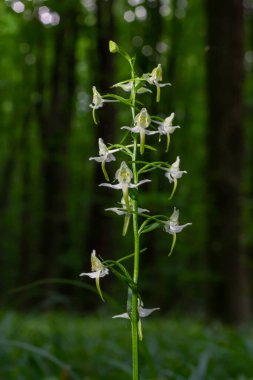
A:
(135, 337)
(135, 315)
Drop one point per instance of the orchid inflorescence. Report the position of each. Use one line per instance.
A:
(143, 126)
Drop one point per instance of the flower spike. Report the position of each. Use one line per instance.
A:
(127, 177)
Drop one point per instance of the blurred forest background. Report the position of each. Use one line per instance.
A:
(51, 209)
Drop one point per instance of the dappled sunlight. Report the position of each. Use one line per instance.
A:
(48, 17)
(129, 16)
(18, 6)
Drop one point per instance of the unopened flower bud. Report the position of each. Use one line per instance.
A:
(157, 73)
(113, 47)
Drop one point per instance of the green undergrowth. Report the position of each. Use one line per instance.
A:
(59, 346)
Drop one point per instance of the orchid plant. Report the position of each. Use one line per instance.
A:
(127, 176)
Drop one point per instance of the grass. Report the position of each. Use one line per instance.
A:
(58, 346)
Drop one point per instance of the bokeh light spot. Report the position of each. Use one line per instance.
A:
(141, 13)
(18, 7)
(129, 16)
(47, 17)
(147, 50)
(134, 3)
(161, 47)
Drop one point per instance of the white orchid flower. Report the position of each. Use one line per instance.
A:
(143, 313)
(174, 173)
(104, 153)
(123, 211)
(154, 78)
(104, 156)
(166, 128)
(97, 102)
(172, 227)
(141, 122)
(98, 271)
(128, 86)
(124, 176)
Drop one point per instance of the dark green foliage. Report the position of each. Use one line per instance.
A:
(61, 346)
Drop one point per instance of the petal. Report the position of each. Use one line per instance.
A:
(134, 129)
(174, 174)
(142, 209)
(104, 272)
(126, 127)
(147, 132)
(173, 228)
(110, 157)
(133, 185)
(98, 159)
(146, 312)
(125, 86)
(116, 210)
(96, 106)
(172, 129)
(164, 84)
(124, 315)
(162, 130)
(175, 215)
(178, 229)
(169, 176)
(142, 90)
(117, 187)
(167, 228)
(91, 274)
(157, 122)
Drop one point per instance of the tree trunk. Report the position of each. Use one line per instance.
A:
(100, 224)
(227, 288)
(55, 135)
